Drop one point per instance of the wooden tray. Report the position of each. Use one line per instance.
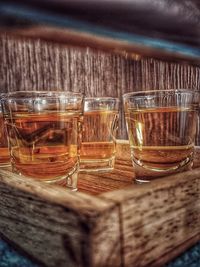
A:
(110, 222)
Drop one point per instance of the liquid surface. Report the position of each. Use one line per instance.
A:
(97, 150)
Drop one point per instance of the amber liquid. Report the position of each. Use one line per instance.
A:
(97, 150)
(4, 152)
(99, 136)
(44, 146)
(161, 139)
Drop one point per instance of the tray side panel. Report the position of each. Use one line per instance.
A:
(43, 230)
(159, 217)
(56, 227)
(106, 240)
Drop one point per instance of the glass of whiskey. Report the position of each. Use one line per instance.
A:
(44, 131)
(161, 126)
(100, 123)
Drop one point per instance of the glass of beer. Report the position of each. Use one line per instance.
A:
(44, 130)
(161, 126)
(4, 151)
(100, 122)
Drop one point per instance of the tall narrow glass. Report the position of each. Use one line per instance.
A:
(44, 134)
(161, 128)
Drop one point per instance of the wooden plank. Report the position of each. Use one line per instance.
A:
(159, 217)
(57, 227)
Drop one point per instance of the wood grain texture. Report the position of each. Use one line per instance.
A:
(58, 227)
(28, 64)
(136, 225)
(159, 219)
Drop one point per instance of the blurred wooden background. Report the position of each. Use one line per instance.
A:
(38, 65)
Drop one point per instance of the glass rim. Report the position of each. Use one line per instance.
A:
(133, 94)
(103, 98)
(40, 94)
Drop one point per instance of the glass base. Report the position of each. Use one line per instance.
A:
(145, 174)
(98, 165)
(67, 180)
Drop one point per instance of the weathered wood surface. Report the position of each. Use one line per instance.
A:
(28, 64)
(56, 227)
(133, 226)
(159, 217)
